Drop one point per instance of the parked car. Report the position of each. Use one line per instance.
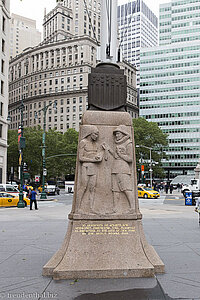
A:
(7, 199)
(52, 189)
(146, 192)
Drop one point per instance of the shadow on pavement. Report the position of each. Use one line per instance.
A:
(155, 293)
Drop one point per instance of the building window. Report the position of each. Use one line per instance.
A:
(1, 130)
(2, 45)
(3, 23)
(2, 87)
(2, 66)
(1, 109)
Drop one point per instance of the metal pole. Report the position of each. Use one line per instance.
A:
(108, 48)
(43, 194)
(150, 170)
(150, 165)
(21, 203)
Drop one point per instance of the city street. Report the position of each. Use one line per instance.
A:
(30, 238)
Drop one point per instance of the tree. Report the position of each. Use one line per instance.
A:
(64, 145)
(150, 135)
(33, 151)
(12, 152)
(56, 144)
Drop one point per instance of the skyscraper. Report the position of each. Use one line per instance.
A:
(170, 83)
(138, 28)
(4, 58)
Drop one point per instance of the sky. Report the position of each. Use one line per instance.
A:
(34, 9)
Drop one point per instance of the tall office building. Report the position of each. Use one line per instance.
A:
(57, 70)
(138, 28)
(23, 34)
(71, 19)
(4, 63)
(170, 83)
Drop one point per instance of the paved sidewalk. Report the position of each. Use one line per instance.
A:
(28, 239)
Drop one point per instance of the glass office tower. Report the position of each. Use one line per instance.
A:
(138, 28)
(170, 83)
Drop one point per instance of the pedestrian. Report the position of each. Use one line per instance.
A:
(178, 187)
(166, 188)
(171, 188)
(197, 206)
(155, 186)
(33, 199)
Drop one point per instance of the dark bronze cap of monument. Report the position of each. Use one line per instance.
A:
(107, 88)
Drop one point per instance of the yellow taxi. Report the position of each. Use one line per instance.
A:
(146, 192)
(7, 199)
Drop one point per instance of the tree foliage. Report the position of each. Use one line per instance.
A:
(150, 135)
(56, 144)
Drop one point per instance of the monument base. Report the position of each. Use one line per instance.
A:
(104, 249)
(105, 237)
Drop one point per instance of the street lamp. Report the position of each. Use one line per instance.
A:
(150, 165)
(21, 139)
(43, 195)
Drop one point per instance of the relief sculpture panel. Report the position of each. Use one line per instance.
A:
(105, 177)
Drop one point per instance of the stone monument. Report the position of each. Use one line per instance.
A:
(105, 237)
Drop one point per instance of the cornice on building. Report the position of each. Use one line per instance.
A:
(49, 95)
(42, 46)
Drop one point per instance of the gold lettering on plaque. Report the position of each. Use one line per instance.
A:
(104, 229)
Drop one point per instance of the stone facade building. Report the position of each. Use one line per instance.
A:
(57, 70)
(4, 63)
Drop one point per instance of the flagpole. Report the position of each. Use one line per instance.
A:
(109, 42)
